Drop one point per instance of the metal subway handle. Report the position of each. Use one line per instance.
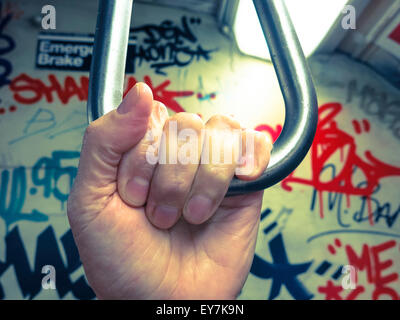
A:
(301, 108)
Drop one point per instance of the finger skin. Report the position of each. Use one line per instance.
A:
(256, 153)
(124, 256)
(103, 145)
(180, 153)
(136, 168)
(213, 178)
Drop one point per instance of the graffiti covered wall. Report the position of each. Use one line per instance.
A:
(339, 208)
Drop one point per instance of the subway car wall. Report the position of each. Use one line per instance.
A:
(313, 227)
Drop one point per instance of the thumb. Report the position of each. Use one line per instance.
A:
(104, 143)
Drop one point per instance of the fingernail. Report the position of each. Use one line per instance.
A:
(165, 216)
(136, 190)
(134, 94)
(268, 140)
(247, 166)
(198, 209)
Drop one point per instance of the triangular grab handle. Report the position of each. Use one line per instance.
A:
(301, 107)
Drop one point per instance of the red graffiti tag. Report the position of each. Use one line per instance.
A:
(274, 133)
(333, 292)
(330, 139)
(12, 8)
(376, 269)
(27, 90)
(162, 94)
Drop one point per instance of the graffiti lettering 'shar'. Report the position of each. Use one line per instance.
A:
(28, 90)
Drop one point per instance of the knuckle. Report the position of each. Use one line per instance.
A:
(188, 120)
(168, 122)
(174, 189)
(92, 132)
(161, 110)
(92, 129)
(224, 120)
(219, 173)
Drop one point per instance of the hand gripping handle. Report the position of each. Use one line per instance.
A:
(301, 107)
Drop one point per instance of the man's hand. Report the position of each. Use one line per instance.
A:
(148, 230)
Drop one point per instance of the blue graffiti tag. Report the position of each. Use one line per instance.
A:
(380, 211)
(47, 253)
(12, 213)
(46, 174)
(281, 271)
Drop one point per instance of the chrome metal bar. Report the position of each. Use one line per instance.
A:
(107, 71)
(301, 107)
(108, 66)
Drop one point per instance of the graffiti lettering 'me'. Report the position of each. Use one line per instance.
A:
(166, 45)
(377, 270)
